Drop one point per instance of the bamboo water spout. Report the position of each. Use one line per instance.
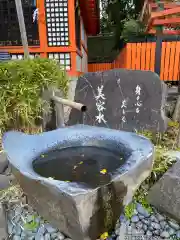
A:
(79, 106)
(59, 108)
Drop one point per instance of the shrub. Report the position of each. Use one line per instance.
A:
(21, 85)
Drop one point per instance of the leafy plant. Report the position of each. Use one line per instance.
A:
(31, 225)
(21, 85)
(129, 210)
(132, 28)
(116, 13)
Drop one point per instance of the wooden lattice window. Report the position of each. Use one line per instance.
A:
(9, 27)
(57, 22)
(63, 58)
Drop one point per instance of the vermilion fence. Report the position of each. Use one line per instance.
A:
(170, 61)
(162, 57)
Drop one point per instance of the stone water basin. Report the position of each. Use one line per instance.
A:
(79, 178)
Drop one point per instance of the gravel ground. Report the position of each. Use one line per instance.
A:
(24, 223)
(144, 225)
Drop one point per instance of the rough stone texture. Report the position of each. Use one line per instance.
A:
(5, 181)
(3, 223)
(3, 162)
(80, 212)
(123, 108)
(168, 191)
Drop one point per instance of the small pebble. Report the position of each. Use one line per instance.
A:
(60, 236)
(49, 228)
(178, 234)
(141, 216)
(145, 227)
(10, 227)
(155, 225)
(142, 210)
(29, 218)
(41, 230)
(174, 225)
(141, 231)
(18, 211)
(23, 235)
(53, 235)
(154, 219)
(133, 225)
(17, 230)
(171, 231)
(127, 222)
(39, 236)
(117, 231)
(15, 237)
(156, 232)
(160, 217)
(122, 218)
(162, 224)
(47, 236)
(135, 219)
(30, 233)
(149, 233)
(150, 228)
(128, 229)
(38, 220)
(139, 225)
(145, 221)
(165, 234)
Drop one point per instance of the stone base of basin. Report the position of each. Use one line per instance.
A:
(80, 210)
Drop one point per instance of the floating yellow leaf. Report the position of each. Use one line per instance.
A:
(104, 236)
(81, 162)
(103, 171)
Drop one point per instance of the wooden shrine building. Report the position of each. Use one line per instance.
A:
(59, 30)
(163, 16)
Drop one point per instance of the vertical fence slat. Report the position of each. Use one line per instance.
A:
(129, 55)
(143, 56)
(177, 63)
(153, 49)
(171, 61)
(167, 58)
(133, 56)
(148, 56)
(138, 56)
(163, 60)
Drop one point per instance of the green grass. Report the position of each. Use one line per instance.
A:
(163, 143)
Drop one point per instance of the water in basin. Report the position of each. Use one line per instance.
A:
(90, 166)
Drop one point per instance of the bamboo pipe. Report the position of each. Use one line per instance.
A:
(79, 106)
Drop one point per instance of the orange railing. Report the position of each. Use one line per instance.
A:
(170, 61)
(141, 56)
